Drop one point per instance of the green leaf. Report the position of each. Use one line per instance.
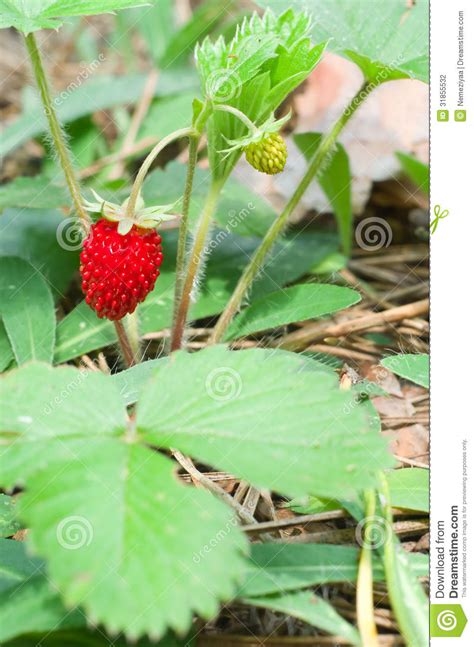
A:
(410, 488)
(33, 234)
(78, 445)
(311, 609)
(298, 303)
(27, 310)
(335, 180)
(9, 523)
(28, 602)
(240, 211)
(306, 444)
(40, 192)
(415, 368)
(275, 568)
(387, 43)
(418, 172)
(166, 115)
(313, 505)
(203, 20)
(100, 92)
(155, 24)
(47, 14)
(131, 381)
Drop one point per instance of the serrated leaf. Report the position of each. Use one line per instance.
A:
(410, 488)
(418, 172)
(335, 180)
(30, 15)
(275, 568)
(111, 510)
(260, 417)
(415, 368)
(297, 303)
(387, 41)
(27, 310)
(311, 609)
(34, 234)
(98, 93)
(131, 381)
(135, 528)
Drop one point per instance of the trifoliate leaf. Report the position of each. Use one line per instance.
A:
(256, 414)
(30, 15)
(124, 539)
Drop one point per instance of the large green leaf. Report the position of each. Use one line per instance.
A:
(298, 303)
(30, 15)
(410, 488)
(110, 509)
(259, 416)
(386, 40)
(335, 180)
(33, 234)
(98, 93)
(415, 368)
(310, 608)
(27, 310)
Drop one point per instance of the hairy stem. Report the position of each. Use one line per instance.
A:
(150, 158)
(365, 593)
(124, 342)
(183, 228)
(195, 260)
(316, 164)
(237, 113)
(57, 133)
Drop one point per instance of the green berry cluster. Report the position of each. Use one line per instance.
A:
(268, 155)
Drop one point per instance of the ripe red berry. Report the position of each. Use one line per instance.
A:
(118, 271)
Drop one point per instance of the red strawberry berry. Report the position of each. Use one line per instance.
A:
(118, 271)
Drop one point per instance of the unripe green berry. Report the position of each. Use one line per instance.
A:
(268, 155)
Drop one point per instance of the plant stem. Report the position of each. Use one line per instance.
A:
(239, 114)
(150, 158)
(125, 346)
(315, 166)
(194, 264)
(365, 594)
(183, 228)
(57, 133)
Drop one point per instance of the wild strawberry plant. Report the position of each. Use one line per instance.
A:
(127, 547)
